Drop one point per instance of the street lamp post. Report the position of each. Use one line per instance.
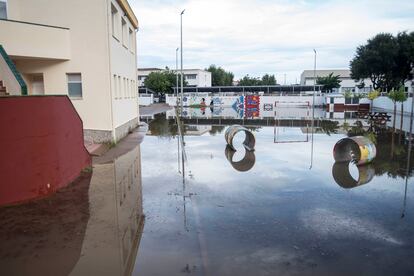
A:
(176, 76)
(181, 51)
(313, 106)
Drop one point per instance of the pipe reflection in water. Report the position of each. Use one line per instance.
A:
(342, 175)
(243, 165)
(358, 149)
(249, 141)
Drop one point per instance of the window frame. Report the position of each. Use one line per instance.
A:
(114, 21)
(7, 9)
(75, 82)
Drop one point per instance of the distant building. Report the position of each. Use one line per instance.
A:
(83, 49)
(194, 77)
(347, 83)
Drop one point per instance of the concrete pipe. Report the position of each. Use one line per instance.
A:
(243, 165)
(358, 149)
(343, 177)
(249, 141)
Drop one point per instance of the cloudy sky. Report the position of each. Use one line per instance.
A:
(264, 36)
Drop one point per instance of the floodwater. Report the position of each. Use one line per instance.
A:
(284, 209)
(277, 210)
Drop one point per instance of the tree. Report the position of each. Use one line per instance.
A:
(220, 77)
(405, 57)
(372, 96)
(397, 96)
(268, 80)
(377, 61)
(163, 82)
(249, 81)
(387, 60)
(329, 82)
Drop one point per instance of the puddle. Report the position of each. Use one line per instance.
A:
(283, 210)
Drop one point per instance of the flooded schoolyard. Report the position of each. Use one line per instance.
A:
(149, 207)
(280, 210)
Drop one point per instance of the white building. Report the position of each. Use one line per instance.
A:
(347, 83)
(194, 77)
(83, 49)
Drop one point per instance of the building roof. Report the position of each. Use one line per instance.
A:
(159, 69)
(128, 12)
(343, 73)
(150, 69)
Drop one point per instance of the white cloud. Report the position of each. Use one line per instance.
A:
(256, 37)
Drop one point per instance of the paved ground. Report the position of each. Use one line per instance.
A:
(154, 109)
(123, 146)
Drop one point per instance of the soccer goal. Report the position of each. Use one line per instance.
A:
(292, 122)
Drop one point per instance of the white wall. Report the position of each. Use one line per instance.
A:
(146, 99)
(123, 66)
(93, 52)
(387, 104)
(226, 101)
(89, 54)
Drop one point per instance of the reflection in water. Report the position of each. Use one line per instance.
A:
(245, 224)
(243, 165)
(45, 237)
(343, 177)
(91, 227)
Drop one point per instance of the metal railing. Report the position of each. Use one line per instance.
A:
(14, 71)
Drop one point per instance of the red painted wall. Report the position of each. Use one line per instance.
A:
(41, 146)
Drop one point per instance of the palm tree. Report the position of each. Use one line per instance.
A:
(329, 82)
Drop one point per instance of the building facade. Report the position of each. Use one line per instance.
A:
(83, 49)
(194, 77)
(347, 83)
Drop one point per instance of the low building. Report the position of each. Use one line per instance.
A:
(83, 49)
(347, 83)
(194, 77)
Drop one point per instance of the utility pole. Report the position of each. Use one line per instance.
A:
(313, 107)
(176, 76)
(181, 51)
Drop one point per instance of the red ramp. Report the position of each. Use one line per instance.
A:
(41, 146)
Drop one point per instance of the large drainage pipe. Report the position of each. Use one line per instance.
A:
(249, 141)
(358, 149)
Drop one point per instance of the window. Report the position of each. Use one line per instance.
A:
(119, 88)
(131, 40)
(125, 95)
(127, 88)
(115, 91)
(191, 77)
(3, 9)
(124, 33)
(74, 85)
(114, 21)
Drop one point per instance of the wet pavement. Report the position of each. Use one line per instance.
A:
(283, 209)
(280, 212)
(91, 227)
